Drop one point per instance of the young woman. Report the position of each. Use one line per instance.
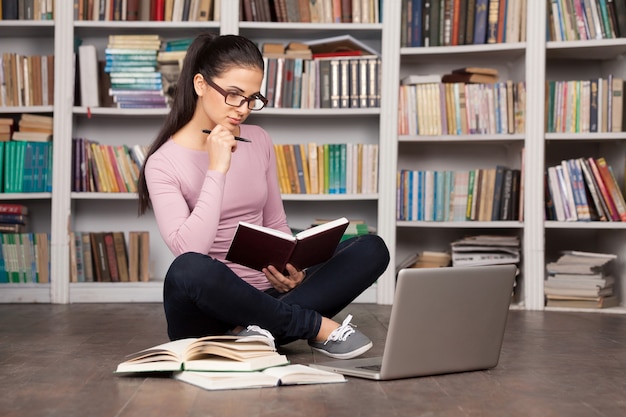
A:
(201, 185)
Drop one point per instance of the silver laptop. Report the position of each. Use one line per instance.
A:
(443, 320)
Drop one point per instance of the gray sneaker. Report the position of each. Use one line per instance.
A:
(257, 333)
(344, 342)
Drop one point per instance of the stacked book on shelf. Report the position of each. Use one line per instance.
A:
(356, 227)
(336, 72)
(24, 256)
(107, 257)
(583, 106)
(340, 168)
(484, 194)
(472, 22)
(26, 157)
(459, 104)
(170, 62)
(13, 218)
(589, 19)
(319, 11)
(579, 279)
(486, 250)
(425, 259)
(131, 65)
(27, 80)
(105, 168)
(583, 189)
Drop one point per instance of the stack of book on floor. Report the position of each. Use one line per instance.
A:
(225, 362)
(486, 250)
(579, 280)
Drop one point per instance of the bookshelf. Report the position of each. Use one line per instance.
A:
(532, 61)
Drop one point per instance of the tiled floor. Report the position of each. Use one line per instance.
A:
(57, 360)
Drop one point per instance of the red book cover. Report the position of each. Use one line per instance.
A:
(604, 190)
(257, 247)
(12, 208)
(157, 10)
(612, 188)
(109, 246)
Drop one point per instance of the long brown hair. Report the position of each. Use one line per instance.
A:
(210, 55)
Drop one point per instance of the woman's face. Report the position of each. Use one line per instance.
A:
(244, 82)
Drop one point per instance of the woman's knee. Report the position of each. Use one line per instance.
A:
(191, 266)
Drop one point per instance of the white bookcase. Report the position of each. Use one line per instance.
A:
(533, 61)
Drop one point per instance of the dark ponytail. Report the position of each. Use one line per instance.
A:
(209, 55)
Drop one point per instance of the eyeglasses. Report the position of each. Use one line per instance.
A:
(255, 102)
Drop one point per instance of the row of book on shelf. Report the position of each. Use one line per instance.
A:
(147, 10)
(570, 20)
(468, 100)
(580, 279)
(27, 10)
(483, 194)
(26, 154)
(107, 257)
(105, 168)
(332, 168)
(318, 11)
(467, 22)
(583, 189)
(336, 72)
(26, 80)
(595, 105)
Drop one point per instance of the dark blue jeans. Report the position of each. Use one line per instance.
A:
(202, 296)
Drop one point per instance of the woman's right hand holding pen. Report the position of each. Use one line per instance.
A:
(220, 144)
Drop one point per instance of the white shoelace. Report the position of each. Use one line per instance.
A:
(341, 333)
(261, 331)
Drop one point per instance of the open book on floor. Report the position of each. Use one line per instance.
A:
(257, 247)
(280, 375)
(210, 353)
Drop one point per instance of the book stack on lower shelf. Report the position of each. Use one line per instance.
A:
(425, 259)
(24, 257)
(106, 257)
(225, 362)
(13, 218)
(486, 250)
(579, 280)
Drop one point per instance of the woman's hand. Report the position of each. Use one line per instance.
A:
(281, 282)
(220, 145)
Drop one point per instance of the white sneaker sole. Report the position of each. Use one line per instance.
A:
(347, 355)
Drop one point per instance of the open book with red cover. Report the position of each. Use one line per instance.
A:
(257, 247)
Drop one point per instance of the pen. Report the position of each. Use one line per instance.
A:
(207, 131)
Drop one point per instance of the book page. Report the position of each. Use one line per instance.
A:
(269, 231)
(321, 228)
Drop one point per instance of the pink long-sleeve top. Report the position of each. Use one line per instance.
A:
(197, 210)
